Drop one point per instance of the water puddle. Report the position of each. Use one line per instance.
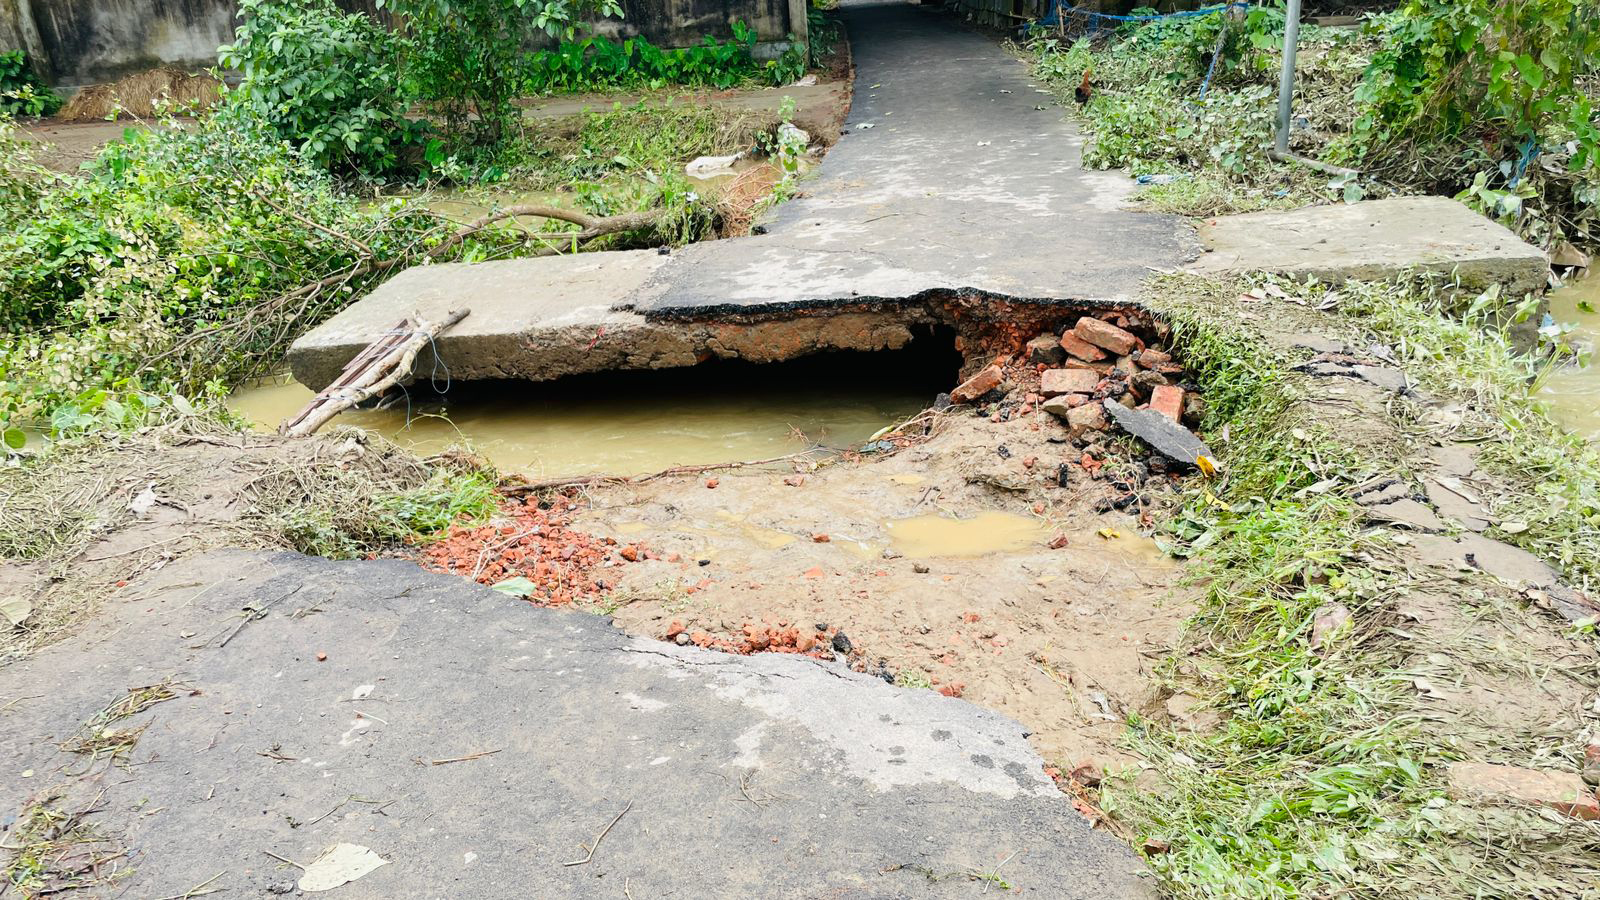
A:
(630, 423)
(987, 532)
(1573, 392)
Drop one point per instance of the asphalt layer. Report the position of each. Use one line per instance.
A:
(955, 172)
(763, 776)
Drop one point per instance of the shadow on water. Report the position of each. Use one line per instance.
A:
(635, 422)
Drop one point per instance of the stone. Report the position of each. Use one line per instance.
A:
(1106, 336)
(1388, 379)
(1055, 382)
(1166, 436)
(1088, 417)
(841, 643)
(1372, 241)
(982, 383)
(1061, 406)
(1167, 399)
(1564, 792)
(681, 639)
(1080, 349)
(1046, 350)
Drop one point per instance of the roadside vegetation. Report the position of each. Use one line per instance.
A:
(1324, 775)
(1490, 102)
(184, 257)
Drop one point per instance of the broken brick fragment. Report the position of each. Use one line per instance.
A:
(1046, 350)
(982, 383)
(1081, 349)
(1106, 336)
(1167, 399)
(1055, 382)
(1088, 417)
(1150, 357)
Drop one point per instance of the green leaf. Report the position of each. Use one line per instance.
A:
(517, 587)
(14, 438)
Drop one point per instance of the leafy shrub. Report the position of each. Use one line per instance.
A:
(598, 63)
(22, 92)
(462, 57)
(119, 276)
(323, 80)
(1484, 96)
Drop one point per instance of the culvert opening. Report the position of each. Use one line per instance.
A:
(634, 422)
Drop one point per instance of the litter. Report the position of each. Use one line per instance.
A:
(1160, 179)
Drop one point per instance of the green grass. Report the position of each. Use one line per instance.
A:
(1324, 777)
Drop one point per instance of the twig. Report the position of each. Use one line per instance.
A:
(599, 837)
(199, 889)
(496, 549)
(469, 757)
(251, 613)
(284, 859)
(573, 481)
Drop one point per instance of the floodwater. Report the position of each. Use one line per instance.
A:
(922, 537)
(1572, 392)
(630, 423)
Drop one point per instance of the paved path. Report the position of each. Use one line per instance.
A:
(765, 776)
(955, 172)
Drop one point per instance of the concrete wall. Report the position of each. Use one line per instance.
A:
(76, 42)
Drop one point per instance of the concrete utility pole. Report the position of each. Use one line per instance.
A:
(1291, 43)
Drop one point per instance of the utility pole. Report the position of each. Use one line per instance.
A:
(1291, 43)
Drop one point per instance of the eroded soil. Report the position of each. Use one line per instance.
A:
(1061, 639)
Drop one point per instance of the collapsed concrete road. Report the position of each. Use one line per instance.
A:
(479, 746)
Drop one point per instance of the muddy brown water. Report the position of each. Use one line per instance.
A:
(629, 423)
(1572, 392)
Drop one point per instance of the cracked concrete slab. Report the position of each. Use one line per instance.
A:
(490, 741)
(1373, 240)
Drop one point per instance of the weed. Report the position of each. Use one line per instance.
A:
(911, 678)
(56, 850)
(99, 738)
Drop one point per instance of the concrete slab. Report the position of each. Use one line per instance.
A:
(1372, 240)
(763, 776)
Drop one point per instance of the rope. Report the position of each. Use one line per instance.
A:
(1216, 53)
(1057, 11)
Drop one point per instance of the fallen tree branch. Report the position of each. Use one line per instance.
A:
(382, 365)
(593, 226)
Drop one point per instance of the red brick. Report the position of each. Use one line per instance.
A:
(1150, 357)
(1167, 399)
(1055, 382)
(1106, 336)
(1079, 348)
(1563, 792)
(978, 385)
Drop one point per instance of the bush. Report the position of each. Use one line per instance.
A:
(323, 80)
(23, 93)
(596, 63)
(462, 57)
(155, 267)
(1466, 95)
